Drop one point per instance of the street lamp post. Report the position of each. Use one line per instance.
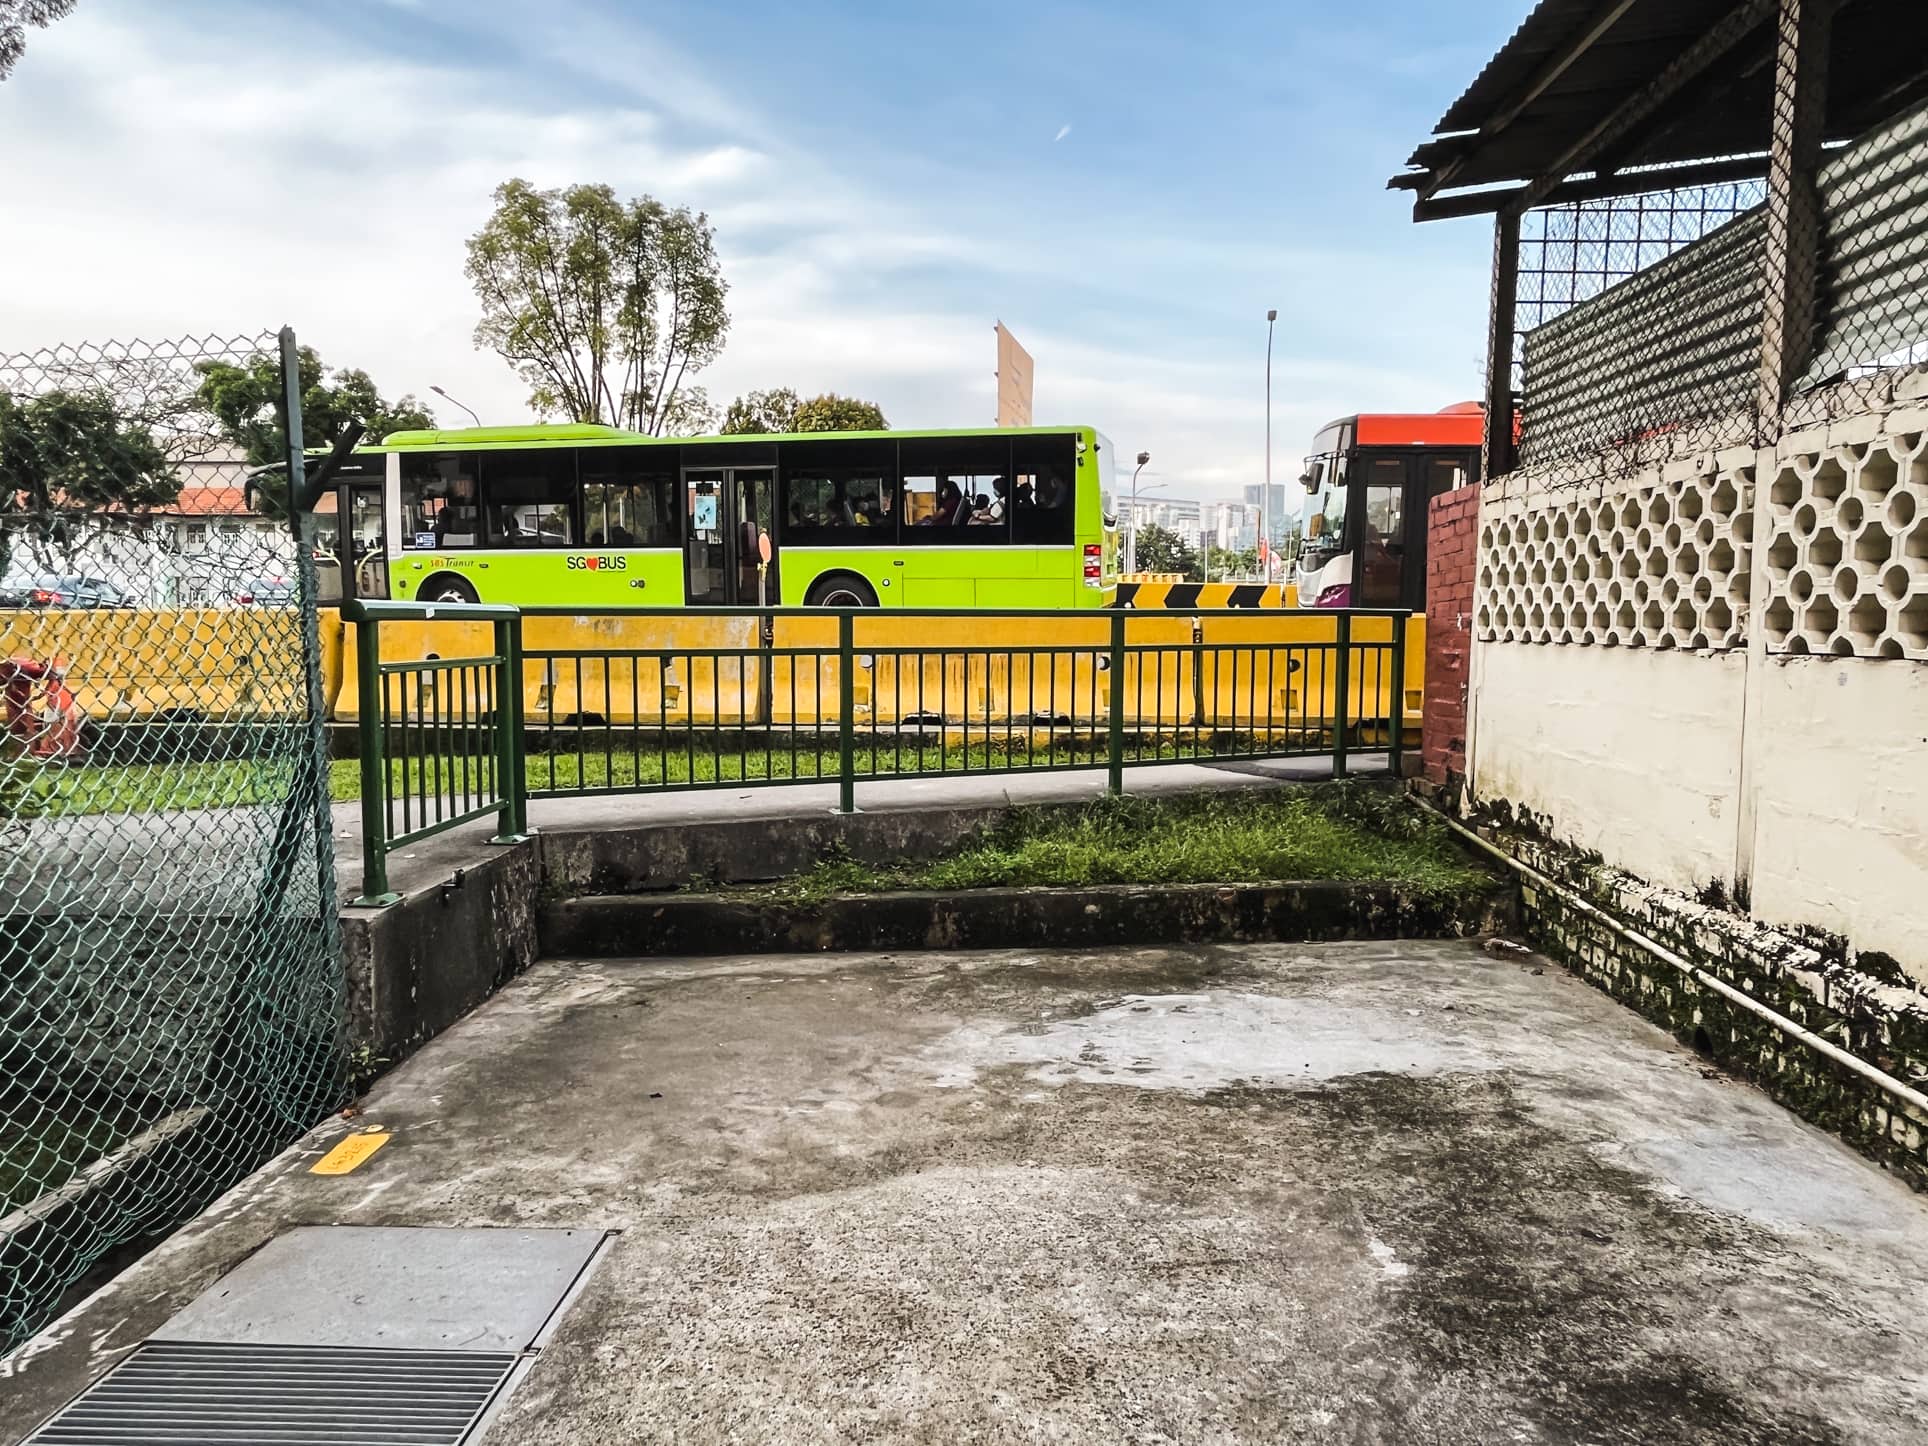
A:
(447, 398)
(1265, 498)
(1131, 532)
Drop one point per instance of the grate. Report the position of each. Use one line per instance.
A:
(168, 1393)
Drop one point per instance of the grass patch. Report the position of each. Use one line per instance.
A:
(1341, 832)
(54, 791)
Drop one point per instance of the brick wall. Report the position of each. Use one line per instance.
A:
(1451, 545)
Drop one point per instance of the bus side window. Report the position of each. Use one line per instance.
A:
(439, 508)
(1383, 548)
(625, 503)
(955, 483)
(529, 497)
(1043, 513)
(1443, 474)
(839, 494)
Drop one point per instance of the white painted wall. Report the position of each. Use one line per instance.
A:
(1839, 768)
(1634, 752)
(1605, 699)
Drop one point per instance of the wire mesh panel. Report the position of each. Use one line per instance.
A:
(169, 1005)
(1871, 314)
(1606, 363)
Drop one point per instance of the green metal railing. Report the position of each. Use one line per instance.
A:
(440, 739)
(574, 703)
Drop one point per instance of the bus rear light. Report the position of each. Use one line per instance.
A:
(1094, 564)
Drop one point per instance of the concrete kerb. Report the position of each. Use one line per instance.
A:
(472, 915)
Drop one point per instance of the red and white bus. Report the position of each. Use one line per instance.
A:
(1369, 481)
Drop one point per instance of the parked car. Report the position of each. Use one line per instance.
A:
(270, 592)
(55, 590)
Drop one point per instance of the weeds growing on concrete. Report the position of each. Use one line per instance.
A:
(1338, 832)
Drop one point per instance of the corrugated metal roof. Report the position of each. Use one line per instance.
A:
(1515, 122)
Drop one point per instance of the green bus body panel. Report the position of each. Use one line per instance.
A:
(921, 575)
(634, 577)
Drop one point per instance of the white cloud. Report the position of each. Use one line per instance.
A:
(1063, 131)
(177, 189)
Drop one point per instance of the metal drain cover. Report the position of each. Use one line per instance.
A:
(170, 1392)
(347, 1335)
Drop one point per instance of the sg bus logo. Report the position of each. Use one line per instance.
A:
(598, 562)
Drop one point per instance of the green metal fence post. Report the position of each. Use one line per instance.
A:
(846, 713)
(375, 893)
(513, 826)
(1342, 692)
(1115, 743)
(1396, 725)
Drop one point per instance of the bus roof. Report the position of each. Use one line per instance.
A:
(1461, 425)
(566, 432)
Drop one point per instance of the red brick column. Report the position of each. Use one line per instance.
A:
(1452, 544)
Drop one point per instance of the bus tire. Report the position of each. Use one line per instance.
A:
(446, 587)
(840, 590)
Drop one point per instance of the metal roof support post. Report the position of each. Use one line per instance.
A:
(1501, 451)
(1790, 267)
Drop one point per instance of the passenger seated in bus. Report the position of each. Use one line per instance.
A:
(990, 510)
(949, 500)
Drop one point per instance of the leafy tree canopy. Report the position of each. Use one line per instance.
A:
(1159, 549)
(246, 402)
(604, 307)
(65, 453)
(782, 410)
(15, 17)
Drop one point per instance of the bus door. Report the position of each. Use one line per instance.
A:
(361, 529)
(1392, 496)
(728, 515)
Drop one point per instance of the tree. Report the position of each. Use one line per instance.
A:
(1160, 550)
(605, 308)
(247, 404)
(64, 455)
(832, 413)
(15, 17)
(781, 410)
(771, 411)
(1227, 566)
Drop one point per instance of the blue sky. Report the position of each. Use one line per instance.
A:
(1127, 185)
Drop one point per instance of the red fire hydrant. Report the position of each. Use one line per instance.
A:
(42, 715)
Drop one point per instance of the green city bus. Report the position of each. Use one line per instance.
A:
(579, 514)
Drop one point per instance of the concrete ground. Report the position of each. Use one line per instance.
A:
(1267, 1193)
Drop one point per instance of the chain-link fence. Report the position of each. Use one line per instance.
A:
(169, 997)
(1644, 321)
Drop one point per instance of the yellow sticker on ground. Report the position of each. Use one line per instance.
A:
(350, 1154)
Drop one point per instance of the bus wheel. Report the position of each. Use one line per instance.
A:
(446, 587)
(840, 590)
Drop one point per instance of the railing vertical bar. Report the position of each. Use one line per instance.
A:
(1115, 739)
(846, 707)
(378, 823)
(1342, 705)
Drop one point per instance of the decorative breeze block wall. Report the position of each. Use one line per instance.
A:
(1847, 550)
(1660, 563)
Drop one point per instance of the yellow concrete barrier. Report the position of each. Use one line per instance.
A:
(1154, 591)
(220, 663)
(139, 664)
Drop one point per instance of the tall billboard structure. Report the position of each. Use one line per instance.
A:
(1013, 381)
